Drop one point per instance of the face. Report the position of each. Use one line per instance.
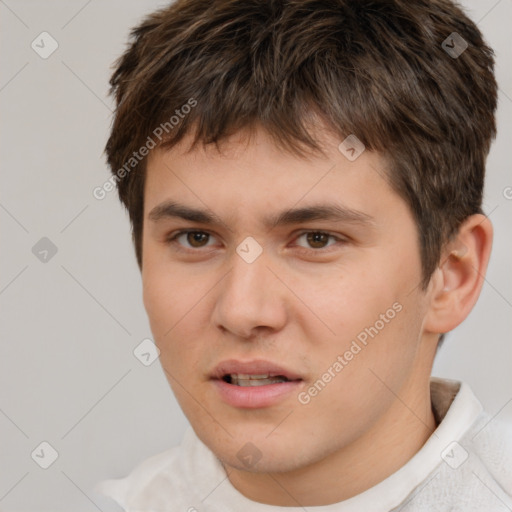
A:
(302, 273)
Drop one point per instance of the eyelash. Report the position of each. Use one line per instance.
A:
(172, 239)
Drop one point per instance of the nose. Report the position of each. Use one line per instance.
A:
(250, 298)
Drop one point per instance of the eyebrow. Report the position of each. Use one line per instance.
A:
(329, 212)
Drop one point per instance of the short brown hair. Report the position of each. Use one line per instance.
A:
(374, 68)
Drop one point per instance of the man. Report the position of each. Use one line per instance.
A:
(304, 182)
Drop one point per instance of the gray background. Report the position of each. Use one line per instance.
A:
(69, 325)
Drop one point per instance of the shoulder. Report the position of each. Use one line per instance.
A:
(148, 483)
(490, 442)
(475, 470)
(479, 462)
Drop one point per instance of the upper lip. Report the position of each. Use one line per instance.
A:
(254, 367)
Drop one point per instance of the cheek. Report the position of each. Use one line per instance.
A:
(353, 301)
(165, 291)
(359, 393)
(175, 307)
(376, 324)
(166, 307)
(160, 300)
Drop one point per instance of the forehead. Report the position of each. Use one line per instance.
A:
(251, 172)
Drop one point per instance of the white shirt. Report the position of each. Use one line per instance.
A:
(465, 465)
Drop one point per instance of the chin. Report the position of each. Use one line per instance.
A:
(259, 453)
(270, 462)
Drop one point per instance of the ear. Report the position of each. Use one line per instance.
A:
(458, 280)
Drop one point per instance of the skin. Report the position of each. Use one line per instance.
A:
(300, 304)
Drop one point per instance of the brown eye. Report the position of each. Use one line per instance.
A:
(188, 239)
(317, 239)
(196, 238)
(319, 242)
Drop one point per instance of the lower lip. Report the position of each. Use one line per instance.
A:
(253, 397)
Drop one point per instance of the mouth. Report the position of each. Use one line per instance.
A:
(254, 384)
(246, 380)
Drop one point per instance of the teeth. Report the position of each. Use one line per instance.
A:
(257, 382)
(245, 376)
(246, 380)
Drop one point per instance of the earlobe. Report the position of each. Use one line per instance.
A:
(459, 278)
